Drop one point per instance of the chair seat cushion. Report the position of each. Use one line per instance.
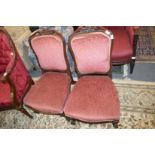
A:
(5, 97)
(122, 49)
(93, 99)
(49, 93)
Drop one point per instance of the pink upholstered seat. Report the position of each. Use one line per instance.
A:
(49, 93)
(93, 99)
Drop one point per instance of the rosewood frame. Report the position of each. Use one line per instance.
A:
(43, 32)
(15, 104)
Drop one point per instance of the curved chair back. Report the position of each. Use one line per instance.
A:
(91, 51)
(50, 50)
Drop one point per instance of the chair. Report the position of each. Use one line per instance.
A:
(14, 78)
(94, 98)
(124, 47)
(124, 44)
(49, 93)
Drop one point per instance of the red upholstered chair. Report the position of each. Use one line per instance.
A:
(14, 78)
(94, 97)
(124, 44)
(49, 93)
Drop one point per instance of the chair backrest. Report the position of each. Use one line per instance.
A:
(92, 51)
(12, 68)
(5, 51)
(50, 50)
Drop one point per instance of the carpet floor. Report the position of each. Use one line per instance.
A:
(137, 111)
(146, 43)
(143, 71)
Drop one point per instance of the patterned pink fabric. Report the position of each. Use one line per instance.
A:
(93, 99)
(92, 52)
(49, 50)
(5, 97)
(18, 74)
(5, 58)
(5, 51)
(49, 93)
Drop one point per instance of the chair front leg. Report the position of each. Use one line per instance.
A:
(115, 124)
(72, 121)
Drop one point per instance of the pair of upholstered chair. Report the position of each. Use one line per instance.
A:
(94, 97)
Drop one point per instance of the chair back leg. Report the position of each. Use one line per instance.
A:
(133, 59)
(21, 109)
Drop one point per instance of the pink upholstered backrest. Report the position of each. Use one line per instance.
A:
(49, 50)
(91, 52)
(5, 52)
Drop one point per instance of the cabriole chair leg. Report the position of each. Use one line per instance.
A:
(72, 121)
(115, 124)
(21, 109)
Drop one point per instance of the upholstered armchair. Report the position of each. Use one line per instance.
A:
(124, 45)
(14, 78)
